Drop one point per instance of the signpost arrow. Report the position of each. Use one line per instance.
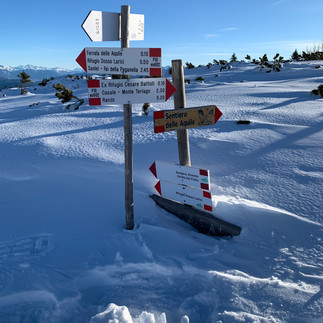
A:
(105, 26)
(177, 119)
(128, 91)
(185, 175)
(125, 61)
(198, 198)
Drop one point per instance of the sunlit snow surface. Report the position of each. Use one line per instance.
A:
(65, 255)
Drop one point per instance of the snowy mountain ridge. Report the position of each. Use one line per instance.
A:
(36, 73)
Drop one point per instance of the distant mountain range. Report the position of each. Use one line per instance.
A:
(37, 73)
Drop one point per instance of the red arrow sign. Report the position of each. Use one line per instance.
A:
(123, 61)
(120, 91)
(185, 175)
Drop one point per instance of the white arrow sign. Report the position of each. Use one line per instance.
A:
(125, 61)
(123, 91)
(105, 26)
(185, 194)
(184, 175)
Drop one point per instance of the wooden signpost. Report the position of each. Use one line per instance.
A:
(124, 61)
(110, 26)
(190, 186)
(168, 120)
(184, 190)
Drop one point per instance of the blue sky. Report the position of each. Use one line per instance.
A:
(49, 33)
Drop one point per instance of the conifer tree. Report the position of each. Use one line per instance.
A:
(295, 55)
(24, 80)
(66, 95)
(264, 60)
(234, 58)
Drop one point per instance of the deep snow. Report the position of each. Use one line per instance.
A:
(65, 255)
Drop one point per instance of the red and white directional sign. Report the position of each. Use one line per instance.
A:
(184, 175)
(105, 26)
(185, 194)
(123, 91)
(125, 61)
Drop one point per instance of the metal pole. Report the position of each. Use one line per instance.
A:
(127, 115)
(180, 102)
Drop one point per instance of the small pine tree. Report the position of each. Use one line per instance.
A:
(43, 82)
(318, 91)
(189, 65)
(264, 59)
(200, 78)
(66, 95)
(295, 55)
(234, 58)
(24, 80)
(248, 58)
(145, 108)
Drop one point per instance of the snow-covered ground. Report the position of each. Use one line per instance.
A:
(65, 255)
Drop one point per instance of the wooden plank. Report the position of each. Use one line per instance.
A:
(169, 120)
(204, 222)
(127, 116)
(180, 103)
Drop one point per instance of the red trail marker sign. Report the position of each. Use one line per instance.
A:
(198, 198)
(185, 175)
(128, 91)
(123, 61)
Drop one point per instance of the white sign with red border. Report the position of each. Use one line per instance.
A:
(184, 175)
(128, 91)
(196, 197)
(122, 61)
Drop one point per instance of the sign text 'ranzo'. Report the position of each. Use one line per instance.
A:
(168, 120)
(114, 91)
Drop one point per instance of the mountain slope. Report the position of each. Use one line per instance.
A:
(65, 255)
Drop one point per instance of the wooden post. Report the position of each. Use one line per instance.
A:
(127, 115)
(180, 102)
